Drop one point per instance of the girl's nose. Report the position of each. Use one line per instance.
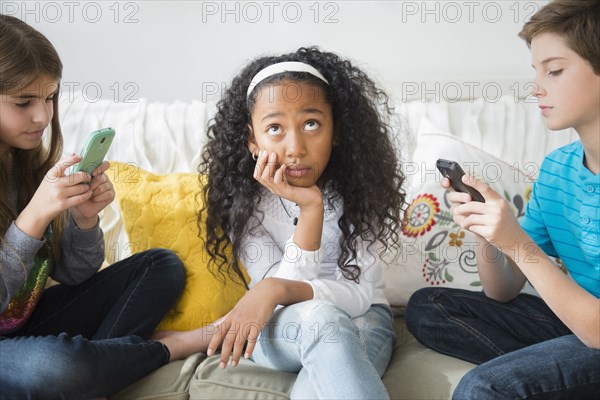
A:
(295, 146)
(42, 112)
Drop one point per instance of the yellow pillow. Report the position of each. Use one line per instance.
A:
(161, 211)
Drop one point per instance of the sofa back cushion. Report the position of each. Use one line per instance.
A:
(160, 211)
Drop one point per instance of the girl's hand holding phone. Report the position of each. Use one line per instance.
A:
(56, 194)
(85, 214)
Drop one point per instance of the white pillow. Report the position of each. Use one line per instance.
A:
(435, 251)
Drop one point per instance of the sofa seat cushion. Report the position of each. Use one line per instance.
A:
(247, 380)
(415, 372)
(170, 382)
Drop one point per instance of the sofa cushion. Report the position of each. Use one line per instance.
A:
(161, 211)
(170, 382)
(247, 380)
(435, 250)
(415, 372)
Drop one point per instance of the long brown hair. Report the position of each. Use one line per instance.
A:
(25, 56)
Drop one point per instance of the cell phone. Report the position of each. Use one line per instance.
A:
(454, 173)
(93, 152)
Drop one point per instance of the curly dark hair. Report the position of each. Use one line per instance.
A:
(363, 169)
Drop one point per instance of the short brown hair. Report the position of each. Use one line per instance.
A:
(577, 21)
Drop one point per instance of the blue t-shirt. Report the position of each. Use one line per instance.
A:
(563, 214)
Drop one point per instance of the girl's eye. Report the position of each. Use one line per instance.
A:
(555, 73)
(23, 105)
(50, 99)
(312, 126)
(274, 130)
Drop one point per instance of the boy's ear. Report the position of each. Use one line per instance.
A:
(251, 141)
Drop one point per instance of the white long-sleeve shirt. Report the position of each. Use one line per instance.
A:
(269, 251)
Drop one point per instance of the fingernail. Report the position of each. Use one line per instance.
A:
(272, 157)
(221, 364)
(247, 355)
(262, 153)
(209, 352)
(233, 363)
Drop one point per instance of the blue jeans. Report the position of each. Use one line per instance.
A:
(525, 351)
(88, 340)
(335, 356)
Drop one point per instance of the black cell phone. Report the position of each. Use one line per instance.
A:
(454, 173)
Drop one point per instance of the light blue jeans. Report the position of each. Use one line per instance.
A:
(335, 356)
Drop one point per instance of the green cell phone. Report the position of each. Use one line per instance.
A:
(94, 151)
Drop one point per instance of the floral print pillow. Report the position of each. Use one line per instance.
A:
(435, 251)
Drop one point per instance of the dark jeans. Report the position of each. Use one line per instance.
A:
(524, 350)
(89, 340)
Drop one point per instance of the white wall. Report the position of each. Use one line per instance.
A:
(169, 50)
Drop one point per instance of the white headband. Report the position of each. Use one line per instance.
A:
(289, 66)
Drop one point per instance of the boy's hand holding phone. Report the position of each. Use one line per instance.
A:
(492, 219)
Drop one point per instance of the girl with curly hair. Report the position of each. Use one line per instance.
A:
(304, 182)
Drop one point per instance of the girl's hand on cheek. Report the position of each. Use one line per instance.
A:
(273, 178)
(309, 225)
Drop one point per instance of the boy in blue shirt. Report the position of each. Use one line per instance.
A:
(546, 347)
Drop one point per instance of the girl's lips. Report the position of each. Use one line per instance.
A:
(35, 134)
(297, 172)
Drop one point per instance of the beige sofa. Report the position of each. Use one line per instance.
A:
(415, 372)
(166, 138)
